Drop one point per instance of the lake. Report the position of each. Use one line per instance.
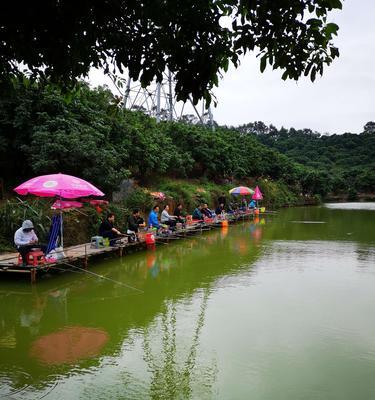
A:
(279, 308)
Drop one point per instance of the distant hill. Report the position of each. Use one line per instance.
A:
(348, 159)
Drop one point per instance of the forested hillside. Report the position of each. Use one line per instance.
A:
(87, 134)
(346, 161)
(41, 131)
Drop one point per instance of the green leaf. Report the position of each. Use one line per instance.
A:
(285, 75)
(263, 63)
(313, 74)
(331, 29)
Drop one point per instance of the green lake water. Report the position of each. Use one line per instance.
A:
(279, 308)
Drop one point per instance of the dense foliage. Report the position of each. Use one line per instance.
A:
(91, 137)
(345, 161)
(62, 40)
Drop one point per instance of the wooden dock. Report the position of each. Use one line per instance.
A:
(80, 254)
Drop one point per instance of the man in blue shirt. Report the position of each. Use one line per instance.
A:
(153, 221)
(197, 214)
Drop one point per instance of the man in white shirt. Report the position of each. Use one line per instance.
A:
(166, 218)
(26, 239)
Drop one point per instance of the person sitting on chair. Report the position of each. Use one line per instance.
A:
(178, 214)
(153, 221)
(107, 230)
(222, 199)
(134, 223)
(220, 209)
(206, 211)
(244, 204)
(197, 214)
(26, 239)
(166, 218)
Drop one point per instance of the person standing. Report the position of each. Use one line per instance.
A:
(26, 239)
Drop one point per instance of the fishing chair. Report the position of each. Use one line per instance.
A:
(34, 257)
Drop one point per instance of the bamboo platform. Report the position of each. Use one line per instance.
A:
(80, 254)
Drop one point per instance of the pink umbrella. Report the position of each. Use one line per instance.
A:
(64, 204)
(60, 185)
(258, 194)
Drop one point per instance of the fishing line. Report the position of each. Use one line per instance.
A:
(46, 394)
(103, 277)
(16, 391)
(65, 270)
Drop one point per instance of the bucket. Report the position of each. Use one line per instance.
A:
(224, 223)
(150, 238)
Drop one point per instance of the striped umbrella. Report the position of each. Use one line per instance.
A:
(241, 191)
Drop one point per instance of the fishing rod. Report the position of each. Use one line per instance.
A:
(103, 277)
(180, 235)
(64, 270)
(160, 241)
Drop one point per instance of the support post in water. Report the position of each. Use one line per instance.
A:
(85, 261)
(33, 275)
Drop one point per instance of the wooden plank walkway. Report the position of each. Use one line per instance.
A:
(83, 252)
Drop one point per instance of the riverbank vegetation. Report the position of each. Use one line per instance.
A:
(87, 134)
(344, 163)
(90, 136)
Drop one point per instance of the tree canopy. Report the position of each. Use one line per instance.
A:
(61, 40)
(93, 138)
(344, 162)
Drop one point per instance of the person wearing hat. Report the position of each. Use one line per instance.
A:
(26, 239)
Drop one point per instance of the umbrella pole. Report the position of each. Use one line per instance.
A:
(62, 230)
(61, 226)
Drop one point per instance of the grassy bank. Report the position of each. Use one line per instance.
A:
(81, 224)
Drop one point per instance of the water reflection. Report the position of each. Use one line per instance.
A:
(174, 368)
(351, 206)
(71, 322)
(68, 345)
(239, 313)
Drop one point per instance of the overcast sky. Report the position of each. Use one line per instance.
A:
(343, 100)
